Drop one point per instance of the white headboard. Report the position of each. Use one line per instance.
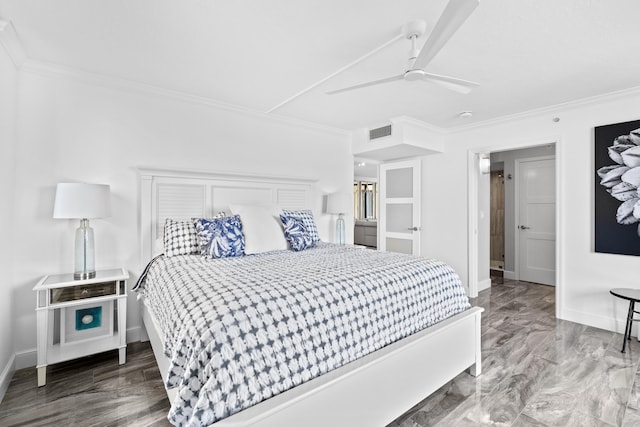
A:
(187, 194)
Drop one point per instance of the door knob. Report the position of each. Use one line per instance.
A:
(523, 227)
(413, 228)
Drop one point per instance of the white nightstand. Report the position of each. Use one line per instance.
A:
(80, 317)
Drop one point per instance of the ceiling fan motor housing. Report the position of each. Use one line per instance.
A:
(413, 75)
(414, 28)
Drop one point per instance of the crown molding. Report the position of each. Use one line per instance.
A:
(10, 41)
(551, 109)
(150, 172)
(111, 82)
(12, 44)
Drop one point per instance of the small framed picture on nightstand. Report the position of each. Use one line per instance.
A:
(85, 322)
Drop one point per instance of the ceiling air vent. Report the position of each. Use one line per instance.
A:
(379, 132)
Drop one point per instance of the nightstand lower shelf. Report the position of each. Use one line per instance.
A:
(57, 355)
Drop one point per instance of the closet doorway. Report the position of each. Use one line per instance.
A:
(496, 242)
(365, 208)
(522, 214)
(365, 202)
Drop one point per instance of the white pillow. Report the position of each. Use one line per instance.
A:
(158, 247)
(261, 227)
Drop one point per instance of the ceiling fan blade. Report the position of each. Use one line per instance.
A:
(372, 83)
(459, 85)
(452, 18)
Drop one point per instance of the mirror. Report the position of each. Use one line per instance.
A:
(365, 200)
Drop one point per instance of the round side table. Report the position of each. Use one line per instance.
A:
(633, 296)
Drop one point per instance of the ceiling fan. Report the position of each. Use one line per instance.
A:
(452, 18)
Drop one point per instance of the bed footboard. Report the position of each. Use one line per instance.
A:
(371, 391)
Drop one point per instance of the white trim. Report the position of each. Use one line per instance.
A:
(507, 274)
(134, 334)
(516, 218)
(29, 358)
(12, 44)
(110, 82)
(550, 109)
(26, 359)
(556, 108)
(472, 223)
(598, 321)
(7, 375)
(97, 79)
(560, 290)
(484, 284)
(220, 175)
(472, 209)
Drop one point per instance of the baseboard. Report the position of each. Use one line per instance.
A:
(29, 358)
(6, 375)
(134, 334)
(594, 320)
(484, 284)
(511, 275)
(26, 359)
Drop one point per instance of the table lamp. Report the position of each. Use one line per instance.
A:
(83, 201)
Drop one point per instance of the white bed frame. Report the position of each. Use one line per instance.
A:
(371, 391)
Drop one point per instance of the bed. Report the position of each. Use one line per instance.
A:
(371, 383)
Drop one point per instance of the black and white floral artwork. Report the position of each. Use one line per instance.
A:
(617, 189)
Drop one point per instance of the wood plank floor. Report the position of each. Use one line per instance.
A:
(537, 371)
(91, 391)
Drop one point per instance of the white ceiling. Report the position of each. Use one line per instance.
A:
(526, 54)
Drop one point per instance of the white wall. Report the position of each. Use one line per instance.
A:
(72, 131)
(8, 104)
(585, 276)
(508, 159)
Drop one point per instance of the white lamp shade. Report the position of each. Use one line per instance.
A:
(79, 200)
(338, 203)
(484, 163)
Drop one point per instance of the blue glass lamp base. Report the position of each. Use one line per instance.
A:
(84, 257)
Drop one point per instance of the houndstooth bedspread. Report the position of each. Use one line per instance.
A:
(240, 330)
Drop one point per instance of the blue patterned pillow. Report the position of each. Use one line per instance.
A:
(306, 216)
(220, 237)
(296, 234)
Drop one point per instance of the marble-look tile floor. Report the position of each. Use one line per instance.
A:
(537, 371)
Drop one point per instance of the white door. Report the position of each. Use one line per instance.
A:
(536, 220)
(399, 216)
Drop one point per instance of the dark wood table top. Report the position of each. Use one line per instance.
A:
(630, 294)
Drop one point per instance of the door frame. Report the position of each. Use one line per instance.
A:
(473, 173)
(516, 213)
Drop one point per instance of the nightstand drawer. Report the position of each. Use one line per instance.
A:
(74, 293)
